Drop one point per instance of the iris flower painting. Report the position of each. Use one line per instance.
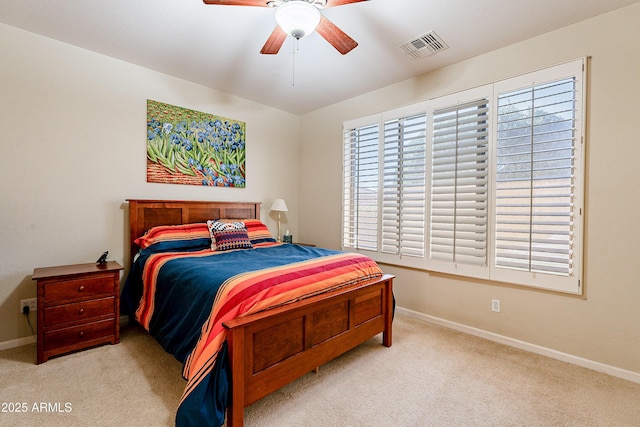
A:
(190, 147)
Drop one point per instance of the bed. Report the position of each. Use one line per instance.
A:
(270, 344)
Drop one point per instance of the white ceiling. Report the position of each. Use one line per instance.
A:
(218, 46)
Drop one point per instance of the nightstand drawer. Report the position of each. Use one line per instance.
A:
(78, 334)
(79, 311)
(78, 288)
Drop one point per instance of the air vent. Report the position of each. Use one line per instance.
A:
(425, 45)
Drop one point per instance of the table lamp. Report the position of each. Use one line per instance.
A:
(279, 206)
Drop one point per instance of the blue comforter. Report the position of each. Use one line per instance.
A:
(184, 295)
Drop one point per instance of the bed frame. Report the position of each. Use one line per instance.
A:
(268, 350)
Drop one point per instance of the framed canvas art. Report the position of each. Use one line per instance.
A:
(195, 148)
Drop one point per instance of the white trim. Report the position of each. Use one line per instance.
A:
(18, 342)
(523, 345)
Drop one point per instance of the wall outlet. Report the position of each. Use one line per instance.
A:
(32, 303)
(495, 305)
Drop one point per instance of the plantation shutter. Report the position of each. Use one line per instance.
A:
(485, 183)
(360, 191)
(404, 185)
(459, 184)
(535, 180)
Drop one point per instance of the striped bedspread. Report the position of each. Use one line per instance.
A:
(284, 274)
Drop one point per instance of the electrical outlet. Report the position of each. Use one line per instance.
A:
(32, 303)
(495, 305)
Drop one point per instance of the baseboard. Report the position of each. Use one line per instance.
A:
(4, 345)
(523, 345)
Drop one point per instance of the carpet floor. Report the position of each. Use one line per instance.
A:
(431, 376)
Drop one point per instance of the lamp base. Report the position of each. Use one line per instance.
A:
(278, 239)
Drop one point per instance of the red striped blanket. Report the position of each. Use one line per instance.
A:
(256, 291)
(252, 292)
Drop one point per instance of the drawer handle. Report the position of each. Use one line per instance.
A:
(81, 288)
(81, 334)
(81, 311)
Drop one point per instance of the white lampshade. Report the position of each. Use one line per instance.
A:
(297, 18)
(279, 205)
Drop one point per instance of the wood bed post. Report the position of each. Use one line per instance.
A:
(235, 347)
(133, 231)
(388, 317)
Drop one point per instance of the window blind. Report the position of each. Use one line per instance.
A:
(459, 184)
(360, 191)
(535, 180)
(404, 185)
(485, 183)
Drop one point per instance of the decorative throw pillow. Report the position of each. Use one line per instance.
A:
(232, 238)
(222, 225)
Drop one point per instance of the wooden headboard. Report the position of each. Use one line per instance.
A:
(144, 214)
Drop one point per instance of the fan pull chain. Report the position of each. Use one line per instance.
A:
(293, 71)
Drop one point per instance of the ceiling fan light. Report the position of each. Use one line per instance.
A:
(297, 18)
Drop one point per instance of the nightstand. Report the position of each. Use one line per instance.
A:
(78, 307)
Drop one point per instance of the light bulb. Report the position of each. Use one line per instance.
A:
(298, 18)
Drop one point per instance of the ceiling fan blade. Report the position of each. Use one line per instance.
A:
(274, 42)
(331, 3)
(335, 36)
(259, 3)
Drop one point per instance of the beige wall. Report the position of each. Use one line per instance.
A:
(72, 138)
(605, 325)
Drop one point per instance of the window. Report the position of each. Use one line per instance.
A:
(538, 179)
(360, 190)
(458, 221)
(384, 182)
(484, 183)
(403, 182)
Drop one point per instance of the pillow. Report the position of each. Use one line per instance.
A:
(231, 238)
(176, 237)
(259, 234)
(221, 225)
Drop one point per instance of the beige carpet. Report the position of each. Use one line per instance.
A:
(431, 376)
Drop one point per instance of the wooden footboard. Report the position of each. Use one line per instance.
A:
(270, 349)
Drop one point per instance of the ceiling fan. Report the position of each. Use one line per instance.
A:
(299, 18)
